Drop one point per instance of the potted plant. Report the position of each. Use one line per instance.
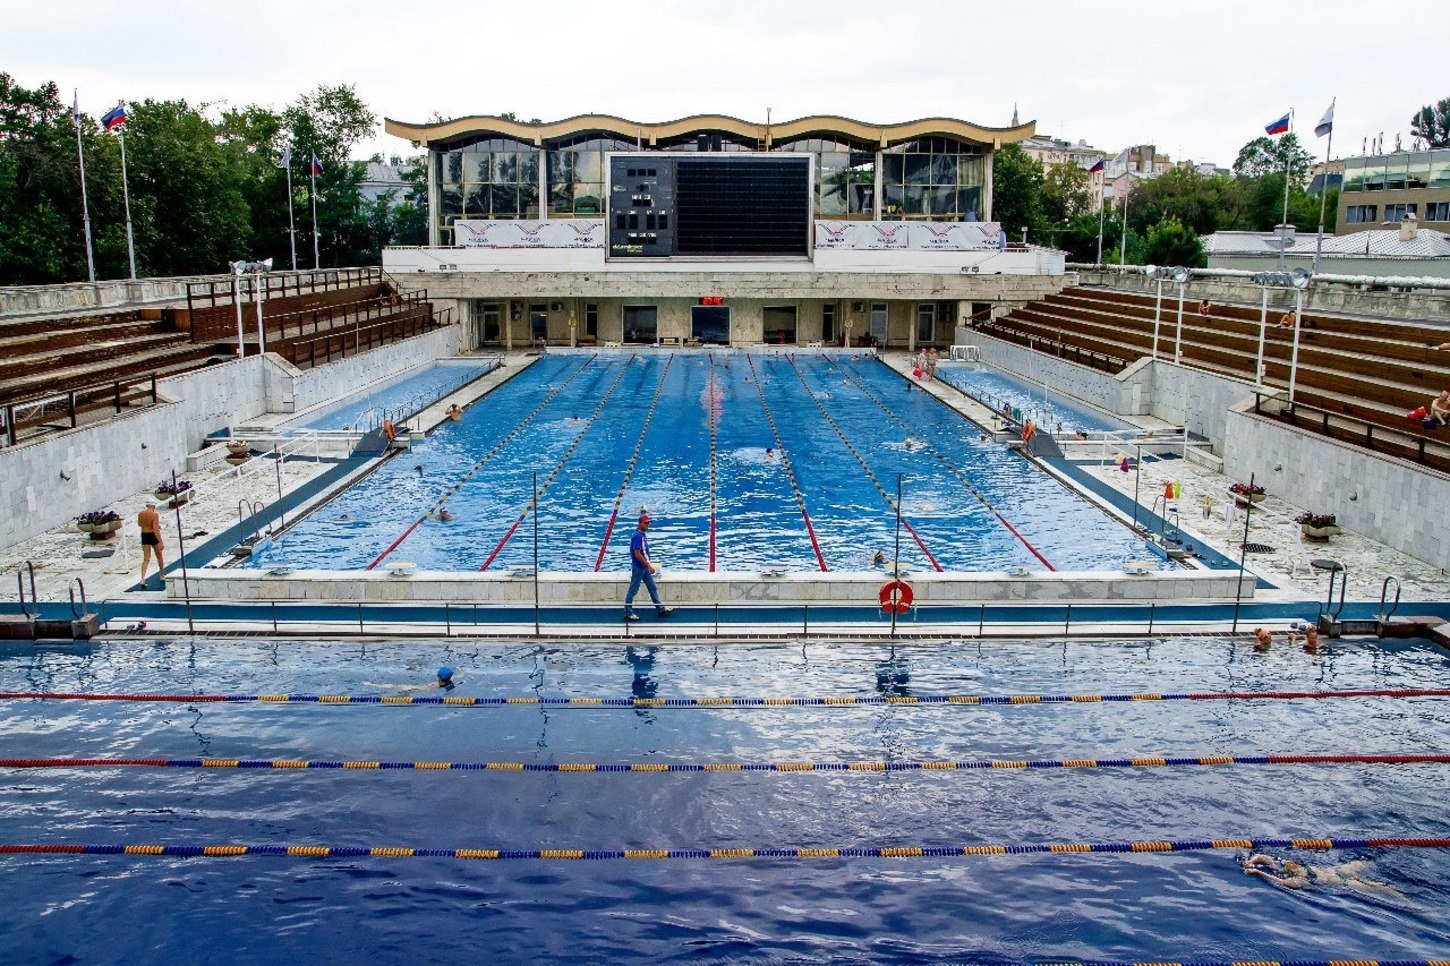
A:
(1317, 526)
(238, 451)
(1247, 493)
(174, 493)
(100, 524)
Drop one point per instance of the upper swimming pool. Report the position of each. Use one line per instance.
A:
(1053, 412)
(400, 397)
(698, 439)
(64, 908)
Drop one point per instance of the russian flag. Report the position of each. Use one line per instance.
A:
(1102, 163)
(316, 165)
(1281, 126)
(115, 118)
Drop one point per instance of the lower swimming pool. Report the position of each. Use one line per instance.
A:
(399, 397)
(1052, 411)
(746, 462)
(1010, 907)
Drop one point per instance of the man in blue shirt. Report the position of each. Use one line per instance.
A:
(642, 568)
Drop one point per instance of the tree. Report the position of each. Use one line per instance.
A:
(40, 190)
(1204, 203)
(1265, 155)
(1066, 193)
(1016, 190)
(329, 123)
(1170, 242)
(1432, 124)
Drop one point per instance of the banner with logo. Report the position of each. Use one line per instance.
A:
(563, 233)
(953, 236)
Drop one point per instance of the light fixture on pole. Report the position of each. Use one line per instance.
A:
(1159, 276)
(1298, 280)
(238, 267)
(1300, 283)
(256, 269)
(1181, 276)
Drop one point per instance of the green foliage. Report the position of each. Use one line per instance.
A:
(206, 187)
(1170, 242)
(1066, 193)
(1016, 190)
(1431, 123)
(1265, 155)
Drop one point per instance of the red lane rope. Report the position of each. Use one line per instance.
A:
(633, 459)
(864, 468)
(533, 503)
(789, 467)
(961, 477)
(716, 403)
(476, 466)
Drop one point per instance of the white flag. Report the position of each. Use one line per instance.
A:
(1326, 123)
(286, 157)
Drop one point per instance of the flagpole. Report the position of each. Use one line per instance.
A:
(1100, 225)
(126, 194)
(312, 173)
(85, 205)
(1288, 164)
(1123, 250)
(291, 223)
(1324, 191)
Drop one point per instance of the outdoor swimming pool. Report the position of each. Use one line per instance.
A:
(400, 397)
(1049, 409)
(687, 436)
(1012, 907)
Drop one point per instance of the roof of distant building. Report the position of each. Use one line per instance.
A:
(1376, 243)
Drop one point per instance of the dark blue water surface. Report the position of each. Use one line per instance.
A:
(261, 910)
(636, 432)
(1052, 411)
(399, 398)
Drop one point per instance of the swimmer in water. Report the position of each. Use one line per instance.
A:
(1263, 640)
(1296, 875)
(769, 453)
(446, 678)
(444, 514)
(418, 469)
(879, 559)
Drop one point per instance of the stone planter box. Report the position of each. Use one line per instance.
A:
(237, 459)
(1318, 533)
(173, 501)
(1244, 499)
(105, 531)
(85, 527)
(239, 448)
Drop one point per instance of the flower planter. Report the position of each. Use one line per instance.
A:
(1318, 533)
(105, 531)
(84, 527)
(238, 446)
(1244, 499)
(173, 501)
(237, 459)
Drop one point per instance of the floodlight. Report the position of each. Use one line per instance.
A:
(1299, 278)
(264, 266)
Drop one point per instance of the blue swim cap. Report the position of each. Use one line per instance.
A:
(445, 673)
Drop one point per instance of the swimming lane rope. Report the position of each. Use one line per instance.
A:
(633, 459)
(715, 402)
(533, 503)
(484, 459)
(664, 768)
(749, 852)
(785, 460)
(890, 501)
(869, 700)
(961, 477)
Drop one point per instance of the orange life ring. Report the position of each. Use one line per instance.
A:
(389, 431)
(1029, 431)
(896, 595)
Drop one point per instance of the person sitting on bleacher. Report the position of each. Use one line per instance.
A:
(1203, 309)
(1440, 408)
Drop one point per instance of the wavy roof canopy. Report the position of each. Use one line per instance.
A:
(815, 125)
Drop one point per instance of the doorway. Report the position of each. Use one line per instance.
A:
(641, 324)
(710, 324)
(779, 326)
(491, 328)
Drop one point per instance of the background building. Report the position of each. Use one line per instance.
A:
(1047, 151)
(1382, 189)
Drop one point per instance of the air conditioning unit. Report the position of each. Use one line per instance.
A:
(556, 306)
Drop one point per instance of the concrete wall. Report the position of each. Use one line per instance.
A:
(1129, 393)
(130, 453)
(1337, 264)
(1197, 400)
(83, 296)
(1384, 499)
(125, 455)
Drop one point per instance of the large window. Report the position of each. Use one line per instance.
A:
(845, 176)
(1437, 211)
(1394, 213)
(1361, 214)
(492, 178)
(932, 179)
(576, 174)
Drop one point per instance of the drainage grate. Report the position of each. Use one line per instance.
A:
(1256, 548)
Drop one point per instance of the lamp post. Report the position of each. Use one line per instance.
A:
(256, 269)
(1157, 274)
(1298, 280)
(238, 267)
(1181, 276)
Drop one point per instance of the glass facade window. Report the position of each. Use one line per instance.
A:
(1361, 214)
(1417, 173)
(1437, 211)
(488, 178)
(576, 174)
(932, 179)
(1440, 169)
(1374, 174)
(1393, 213)
(1396, 167)
(1353, 175)
(845, 175)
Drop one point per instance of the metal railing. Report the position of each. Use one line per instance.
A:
(116, 395)
(1375, 437)
(340, 343)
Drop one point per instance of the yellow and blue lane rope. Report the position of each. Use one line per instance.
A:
(849, 700)
(749, 852)
(660, 768)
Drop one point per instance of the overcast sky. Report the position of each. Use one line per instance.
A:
(1198, 79)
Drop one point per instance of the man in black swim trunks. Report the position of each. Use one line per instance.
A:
(150, 523)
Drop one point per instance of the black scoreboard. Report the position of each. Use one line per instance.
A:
(709, 205)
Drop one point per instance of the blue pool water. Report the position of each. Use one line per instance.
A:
(575, 421)
(1048, 409)
(404, 395)
(67, 908)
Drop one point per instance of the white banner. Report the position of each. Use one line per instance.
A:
(563, 233)
(952, 236)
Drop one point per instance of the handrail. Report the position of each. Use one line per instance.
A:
(1363, 431)
(1384, 614)
(84, 610)
(20, 586)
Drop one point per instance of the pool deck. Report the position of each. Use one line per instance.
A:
(587, 604)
